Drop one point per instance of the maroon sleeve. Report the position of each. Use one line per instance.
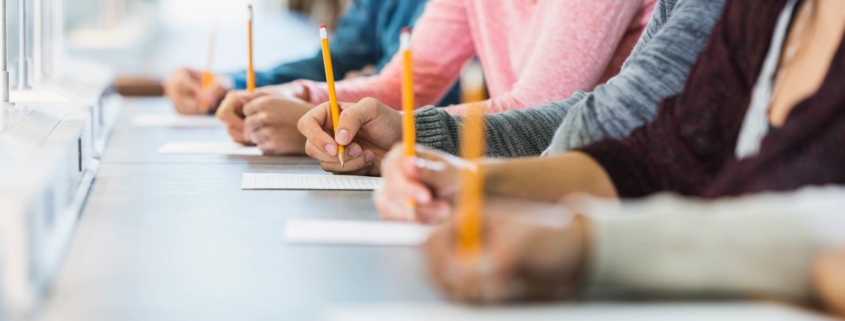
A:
(695, 132)
(806, 150)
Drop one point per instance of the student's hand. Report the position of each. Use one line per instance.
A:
(522, 258)
(271, 122)
(231, 110)
(368, 129)
(231, 113)
(184, 89)
(829, 280)
(431, 179)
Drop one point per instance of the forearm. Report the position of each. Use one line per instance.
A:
(548, 179)
(760, 245)
(657, 69)
(310, 69)
(521, 133)
(510, 134)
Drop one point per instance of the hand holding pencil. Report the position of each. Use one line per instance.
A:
(523, 258)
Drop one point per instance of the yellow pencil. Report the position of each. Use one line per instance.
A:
(471, 197)
(250, 72)
(409, 134)
(327, 60)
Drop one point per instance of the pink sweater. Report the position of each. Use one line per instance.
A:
(532, 51)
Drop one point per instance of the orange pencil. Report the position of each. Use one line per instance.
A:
(250, 71)
(409, 134)
(327, 61)
(471, 197)
(207, 76)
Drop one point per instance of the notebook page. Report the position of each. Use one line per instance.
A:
(381, 233)
(216, 148)
(170, 120)
(272, 181)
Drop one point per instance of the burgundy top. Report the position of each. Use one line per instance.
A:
(689, 148)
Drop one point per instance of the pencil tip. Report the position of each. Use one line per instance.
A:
(323, 26)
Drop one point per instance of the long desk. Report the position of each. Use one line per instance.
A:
(172, 237)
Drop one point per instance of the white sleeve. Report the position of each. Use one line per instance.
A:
(760, 245)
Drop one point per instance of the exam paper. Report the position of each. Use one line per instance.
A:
(310, 182)
(218, 148)
(312, 231)
(172, 120)
(573, 312)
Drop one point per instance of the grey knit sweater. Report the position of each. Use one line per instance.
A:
(656, 69)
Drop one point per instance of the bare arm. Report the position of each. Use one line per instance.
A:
(548, 178)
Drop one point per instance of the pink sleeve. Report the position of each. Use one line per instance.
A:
(441, 46)
(573, 50)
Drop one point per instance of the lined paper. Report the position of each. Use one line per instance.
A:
(171, 120)
(309, 231)
(310, 182)
(214, 148)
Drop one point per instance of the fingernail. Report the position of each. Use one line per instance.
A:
(355, 151)
(369, 157)
(342, 137)
(331, 149)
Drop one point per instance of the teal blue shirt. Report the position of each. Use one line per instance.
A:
(367, 34)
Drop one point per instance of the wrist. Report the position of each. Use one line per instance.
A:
(493, 175)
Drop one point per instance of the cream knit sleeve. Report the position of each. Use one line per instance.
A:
(760, 245)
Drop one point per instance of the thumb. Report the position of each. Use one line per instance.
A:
(192, 76)
(353, 117)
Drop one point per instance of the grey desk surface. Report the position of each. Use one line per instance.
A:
(174, 238)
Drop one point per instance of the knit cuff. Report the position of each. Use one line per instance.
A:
(317, 92)
(696, 251)
(623, 251)
(433, 129)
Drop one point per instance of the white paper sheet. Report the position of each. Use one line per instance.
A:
(310, 182)
(310, 231)
(572, 312)
(171, 120)
(216, 148)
